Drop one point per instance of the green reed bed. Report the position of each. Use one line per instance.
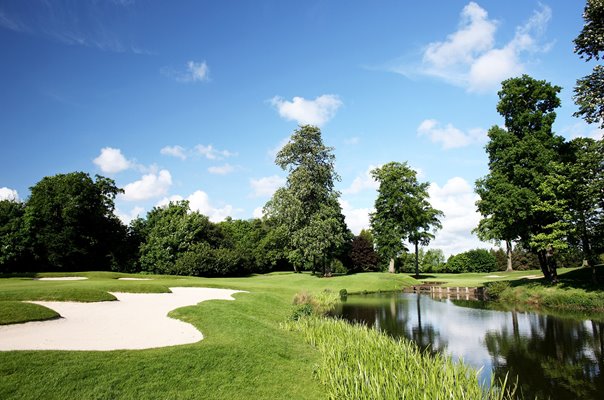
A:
(361, 363)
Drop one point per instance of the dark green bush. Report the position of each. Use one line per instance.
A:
(494, 289)
(478, 260)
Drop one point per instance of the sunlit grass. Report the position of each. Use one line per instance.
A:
(244, 355)
(361, 363)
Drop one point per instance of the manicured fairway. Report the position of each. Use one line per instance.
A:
(245, 354)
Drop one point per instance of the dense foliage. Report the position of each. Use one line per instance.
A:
(306, 209)
(541, 192)
(478, 260)
(589, 91)
(402, 212)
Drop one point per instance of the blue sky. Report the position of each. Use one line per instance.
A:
(192, 99)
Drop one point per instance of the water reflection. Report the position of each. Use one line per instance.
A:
(551, 357)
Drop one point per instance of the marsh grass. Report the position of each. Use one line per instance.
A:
(361, 363)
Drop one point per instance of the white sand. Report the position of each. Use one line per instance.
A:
(533, 276)
(136, 321)
(493, 276)
(134, 279)
(62, 278)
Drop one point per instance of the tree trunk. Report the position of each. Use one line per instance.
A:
(541, 254)
(391, 266)
(416, 261)
(508, 252)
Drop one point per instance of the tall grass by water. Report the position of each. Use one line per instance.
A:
(361, 363)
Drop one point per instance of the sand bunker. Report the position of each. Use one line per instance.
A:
(62, 278)
(533, 277)
(136, 321)
(493, 276)
(134, 279)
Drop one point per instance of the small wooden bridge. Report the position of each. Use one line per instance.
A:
(457, 293)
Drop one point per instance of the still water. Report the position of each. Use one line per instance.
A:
(552, 357)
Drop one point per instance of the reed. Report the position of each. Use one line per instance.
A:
(362, 363)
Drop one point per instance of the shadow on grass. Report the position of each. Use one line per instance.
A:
(579, 278)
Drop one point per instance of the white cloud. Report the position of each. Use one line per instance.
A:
(258, 212)
(449, 136)
(456, 199)
(211, 153)
(127, 217)
(363, 182)
(195, 72)
(581, 129)
(8, 194)
(353, 140)
(174, 151)
(200, 201)
(198, 71)
(112, 160)
(313, 112)
(265, 187)
(149, 186)
(221, 170)
(468, 57)
(356, 218)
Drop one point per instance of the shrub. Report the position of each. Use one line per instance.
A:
(494, 289)
(338, 268)
(321, 303)
(478, 260)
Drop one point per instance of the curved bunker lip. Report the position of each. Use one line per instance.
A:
(135, 321)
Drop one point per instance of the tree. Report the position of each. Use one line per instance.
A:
(307, 209)
(172, 231)
(402, 212)
(518, 198)
(13, 239)
(585, 196)
(589, 91)
(363, 257)
(71, 224)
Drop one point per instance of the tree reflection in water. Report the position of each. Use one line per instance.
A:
(551, 357)
(559, 359)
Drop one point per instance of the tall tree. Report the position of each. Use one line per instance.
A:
(13, 238)
(402, 212)
(307, 208)
(585, 196)
(589, 91)
(71, 223)
(517, 201)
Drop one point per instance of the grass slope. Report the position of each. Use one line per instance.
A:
(245, 354)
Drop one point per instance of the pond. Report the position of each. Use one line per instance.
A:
(552, 357)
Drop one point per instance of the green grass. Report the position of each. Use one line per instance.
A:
(245, 354)
(361, 363)
(478, 279)
(14, 312)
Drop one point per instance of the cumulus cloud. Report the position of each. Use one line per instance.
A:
(174, 151)
(363, 182)
(8, 194)
(456, 199)
(112, 160)
(221, 169)
(199, 201)
(149, 186)
(356, 218)
(194, 72)
(469, 58)
(258, 212)
(211, 153)
(581, 129)
(313, 112)
(127, 217)
(266, 186)
(448, 136)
